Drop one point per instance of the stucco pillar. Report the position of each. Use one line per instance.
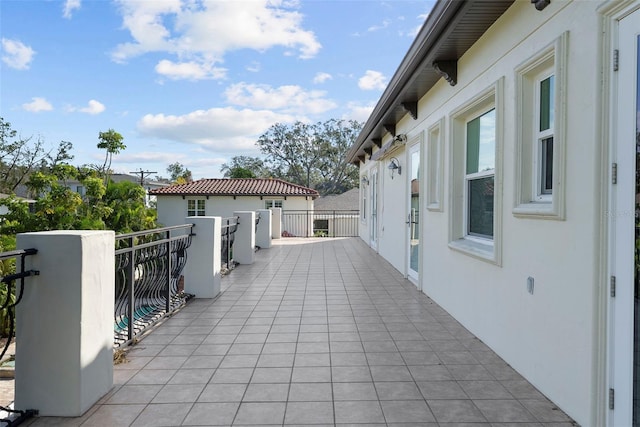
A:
(276, 223)
(263, 233)
(202, 273)
(64, 335)
(244, 244)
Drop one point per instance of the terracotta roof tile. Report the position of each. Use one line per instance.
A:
(236, 187)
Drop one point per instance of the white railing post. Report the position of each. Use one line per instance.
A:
(202, 273)
(244, 245)
(276, 223)
(263, 233)
(65, 321)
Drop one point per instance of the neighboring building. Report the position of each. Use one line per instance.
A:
(499, 175)
(147, 184)
(5, 210)
(347, 201)
(336, 215)
(222, 197)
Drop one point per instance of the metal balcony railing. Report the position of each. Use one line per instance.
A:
(320, 223)
(11, 290)
(149, 283)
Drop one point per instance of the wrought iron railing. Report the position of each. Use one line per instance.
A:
(228, 234)
(320, 223)
(257, 248)
(11, 291)
(149, 284)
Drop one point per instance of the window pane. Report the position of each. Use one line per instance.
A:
(481, 207)
(547, 166)
(201, 205)
(481, 143)
(546, 103)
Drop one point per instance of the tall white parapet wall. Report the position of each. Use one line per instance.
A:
(244, 245)
(202, 273)
(276, 223)
(263, 231)
(65, 321)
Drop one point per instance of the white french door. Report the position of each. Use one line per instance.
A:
(624, 328)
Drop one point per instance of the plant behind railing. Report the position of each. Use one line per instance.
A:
(148, 278)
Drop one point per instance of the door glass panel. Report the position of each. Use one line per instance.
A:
(636, 344)
(414, 216)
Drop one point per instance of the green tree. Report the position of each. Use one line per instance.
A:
(179, 174)
(127, 209)
(245, 167)
(111, 141)
(312, 155)
(118, 206)
(19, 157)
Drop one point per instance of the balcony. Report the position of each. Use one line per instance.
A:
(315, 331)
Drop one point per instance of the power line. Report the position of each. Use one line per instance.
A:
(142, 175)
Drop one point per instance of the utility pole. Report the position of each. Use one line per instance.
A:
(142, 175)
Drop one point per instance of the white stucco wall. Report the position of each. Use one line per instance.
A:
(172, 210)
(548, 336)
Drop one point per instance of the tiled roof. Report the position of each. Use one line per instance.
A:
(236, 187)
(349, 200)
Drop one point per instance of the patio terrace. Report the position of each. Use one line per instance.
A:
(317, 332)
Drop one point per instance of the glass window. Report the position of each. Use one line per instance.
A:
(540, 125)
(544, 137)
(268, 204)
(480, 171)
(475, 220)
(196, 207)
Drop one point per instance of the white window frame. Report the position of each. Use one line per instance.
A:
(198, 209)
(483, 248)
(273, 203)
(530, 201)
(435, 166)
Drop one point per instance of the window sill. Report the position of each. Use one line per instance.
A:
(538, 210)
(481, 249)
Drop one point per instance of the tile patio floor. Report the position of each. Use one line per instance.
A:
(317, 332)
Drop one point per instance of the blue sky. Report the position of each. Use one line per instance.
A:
(193, 81)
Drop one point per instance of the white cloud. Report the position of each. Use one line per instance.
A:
(379, 27)
(93, 107)
(37, 104)
(322, 77)
(69, 7)
(219, 129)
(372, 80)
(203, 32)
(254, 67)
(151, 157)
(16, 54)
(289, 98)
(358, 112)
(189, 70)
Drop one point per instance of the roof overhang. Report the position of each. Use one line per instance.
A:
(452, 27)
